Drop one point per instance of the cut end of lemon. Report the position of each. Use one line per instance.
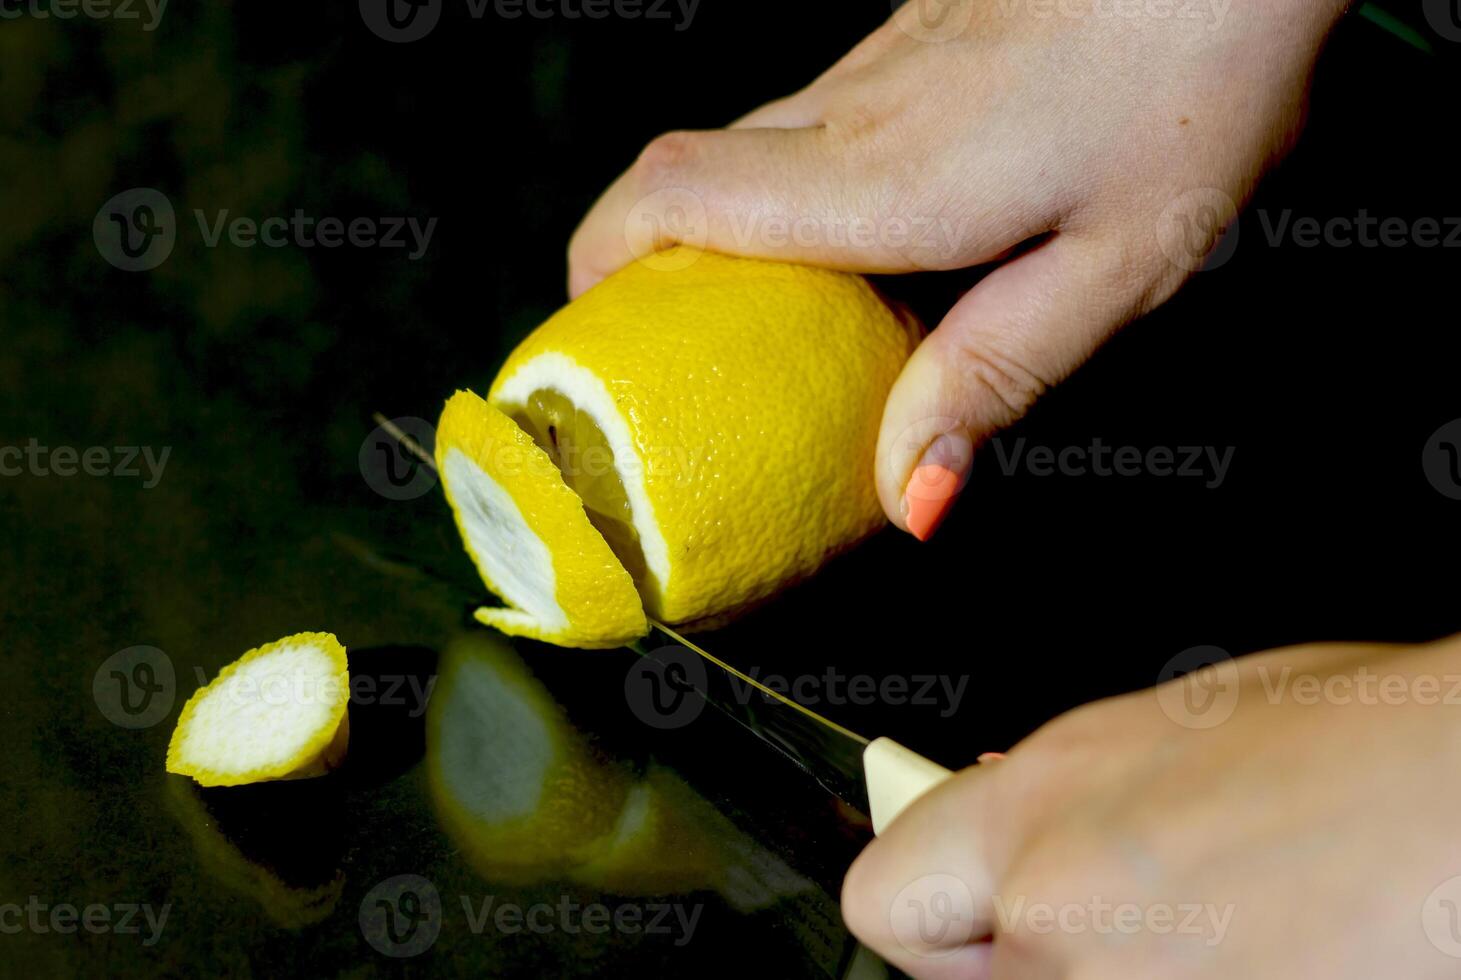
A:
(278, 712)
(529, 535)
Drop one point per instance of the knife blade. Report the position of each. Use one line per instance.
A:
(878, 776)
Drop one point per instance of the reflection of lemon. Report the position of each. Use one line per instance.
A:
(278, 712)
(292, 906)
(516, 785)
(717, 420)
(529, 535)
(658, 847)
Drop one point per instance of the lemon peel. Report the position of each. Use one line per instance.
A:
(277, 712)
(528, 534)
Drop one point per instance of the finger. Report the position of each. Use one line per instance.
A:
(921, 894)
(1025, 326)
(800, 111)
(788, 194)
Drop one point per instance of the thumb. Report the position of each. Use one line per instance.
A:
(921, 895)
(1025, 326)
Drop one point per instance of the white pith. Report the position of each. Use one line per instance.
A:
(264, 712)
(509, 554)
(588, 394)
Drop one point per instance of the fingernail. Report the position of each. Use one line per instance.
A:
(936, 482)
(989, 757)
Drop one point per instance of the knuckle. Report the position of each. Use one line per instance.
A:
(1011, 386)
(667, 154)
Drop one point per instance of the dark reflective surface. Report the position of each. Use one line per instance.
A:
(263, 505)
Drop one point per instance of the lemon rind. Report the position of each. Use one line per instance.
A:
(601, 608)
(313, 756)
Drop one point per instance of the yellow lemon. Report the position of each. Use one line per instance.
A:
(716, 420)
(278, 712)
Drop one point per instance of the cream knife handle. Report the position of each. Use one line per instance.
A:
(895, 778)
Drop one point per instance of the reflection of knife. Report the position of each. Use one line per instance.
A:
(878, 775)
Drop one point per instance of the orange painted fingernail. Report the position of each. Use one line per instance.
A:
(989, 757)
(935, 483)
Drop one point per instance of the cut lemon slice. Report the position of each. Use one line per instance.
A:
(528, 534)
(278, 712)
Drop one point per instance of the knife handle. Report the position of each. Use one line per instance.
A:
(895, 777)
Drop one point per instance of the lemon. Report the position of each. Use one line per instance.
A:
(715, 419)
(528, 534)
(278, 712)
(516, 785)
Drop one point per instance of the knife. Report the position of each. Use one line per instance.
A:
(878, 776)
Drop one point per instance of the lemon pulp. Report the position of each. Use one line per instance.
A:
(576, 445)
